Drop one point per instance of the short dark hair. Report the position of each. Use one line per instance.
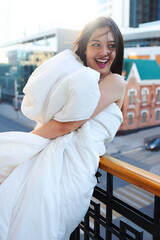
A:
(80, 44)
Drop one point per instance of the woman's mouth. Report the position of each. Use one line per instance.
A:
(102, 63)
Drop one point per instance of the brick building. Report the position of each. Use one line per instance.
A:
(141, 107)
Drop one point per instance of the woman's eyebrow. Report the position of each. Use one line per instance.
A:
(95, 40)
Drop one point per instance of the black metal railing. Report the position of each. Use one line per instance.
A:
(133, 224)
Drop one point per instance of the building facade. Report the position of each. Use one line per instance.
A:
(141, 107)
(143, 11)
(152, 53)
(130, 13)
(146, 35)
(16, 65)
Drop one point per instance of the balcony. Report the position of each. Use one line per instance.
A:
(131, 223)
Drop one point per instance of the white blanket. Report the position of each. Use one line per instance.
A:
(47, 184)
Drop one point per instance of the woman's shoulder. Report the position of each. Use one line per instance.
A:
(120, 85)
(118, 78)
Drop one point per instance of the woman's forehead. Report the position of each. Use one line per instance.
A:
(101, 32)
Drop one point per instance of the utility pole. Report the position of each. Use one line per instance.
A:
(16, 95)
(15, 75)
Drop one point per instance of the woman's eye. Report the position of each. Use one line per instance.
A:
(95, 45)
(111, 46)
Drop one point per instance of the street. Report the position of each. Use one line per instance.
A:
(7, 124)
(147, 160)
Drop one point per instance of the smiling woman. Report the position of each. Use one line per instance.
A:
(101, 51)
(100, 46)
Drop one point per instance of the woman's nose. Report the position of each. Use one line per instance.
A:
(104, 51)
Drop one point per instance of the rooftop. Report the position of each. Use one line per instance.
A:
(148, 69)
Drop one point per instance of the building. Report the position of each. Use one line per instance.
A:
(152, 53)
(118, 10)
(146, 35)
(56, 39)
(141, 107)
(130, 13)
(16, 65)
(143, 11)
(25, 54)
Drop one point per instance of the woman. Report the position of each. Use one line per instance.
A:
(100, 46)
(48, 176)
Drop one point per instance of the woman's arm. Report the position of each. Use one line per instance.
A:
(54, 129)
(112, 89)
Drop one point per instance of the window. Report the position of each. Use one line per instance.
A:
(132, 97)
(158, 115)
(144, 116)
(130, 116)
(130, 119)
(144, 95)
(158, 95)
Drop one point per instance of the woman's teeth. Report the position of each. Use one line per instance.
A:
(102, 61)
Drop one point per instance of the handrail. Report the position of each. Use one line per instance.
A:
(105, 203)
(134, 175)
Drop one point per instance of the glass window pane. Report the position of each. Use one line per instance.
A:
(158, 115)
(130, 118)
(132, 97)
(158, 95)
(144, 117)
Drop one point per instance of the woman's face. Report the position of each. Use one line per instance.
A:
(101, 51)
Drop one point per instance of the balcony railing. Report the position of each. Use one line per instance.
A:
(132, 224)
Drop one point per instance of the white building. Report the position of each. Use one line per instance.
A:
(145, 35)
(118, 10)
(143, 42)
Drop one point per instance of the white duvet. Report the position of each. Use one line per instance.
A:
(46, 185)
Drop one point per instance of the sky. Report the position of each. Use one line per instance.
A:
(21, 18)
(73, 13)
(57, 13)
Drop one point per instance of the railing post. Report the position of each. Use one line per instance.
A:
(86, 226)
(123, 232)
(96, 223)
(109, 208)
(156, 213)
